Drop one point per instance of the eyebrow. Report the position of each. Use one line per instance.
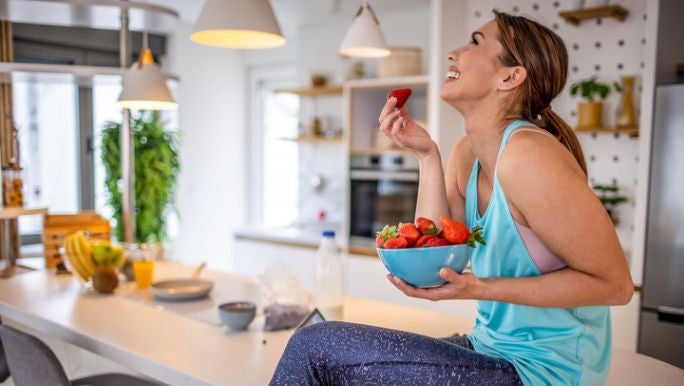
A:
(477, 33)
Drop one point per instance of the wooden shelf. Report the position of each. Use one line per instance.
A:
(416, 80)
(632, 132)
(314, 139)
(576, 16)
(313, 91)
(379, 150)
(8, 213)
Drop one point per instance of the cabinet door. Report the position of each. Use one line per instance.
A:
(626, 324)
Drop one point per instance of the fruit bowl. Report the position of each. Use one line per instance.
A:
(420, 266)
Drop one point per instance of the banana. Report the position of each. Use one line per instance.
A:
(74, 261)
(83, 251)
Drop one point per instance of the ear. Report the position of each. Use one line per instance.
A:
(512, 77)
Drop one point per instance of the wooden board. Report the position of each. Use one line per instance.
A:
(57, 227)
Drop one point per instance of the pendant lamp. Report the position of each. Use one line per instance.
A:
(241, 24)
(144, 86)
(364, 39)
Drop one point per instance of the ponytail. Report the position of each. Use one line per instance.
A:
(554, 124)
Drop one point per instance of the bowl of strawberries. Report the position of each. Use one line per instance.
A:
(416, 252)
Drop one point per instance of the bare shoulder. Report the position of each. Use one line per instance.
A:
(533, 152)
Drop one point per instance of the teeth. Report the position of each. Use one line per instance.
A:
(453, 75)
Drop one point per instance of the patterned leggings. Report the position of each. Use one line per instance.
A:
(337, 353)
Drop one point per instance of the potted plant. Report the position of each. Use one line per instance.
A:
(156, 171)
(610, 198)
(590, 112)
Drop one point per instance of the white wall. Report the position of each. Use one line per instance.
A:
(212, 123)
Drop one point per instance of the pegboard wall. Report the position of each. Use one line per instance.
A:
(604, 47)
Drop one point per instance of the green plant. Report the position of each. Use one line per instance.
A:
(610, 198)
(589, 88)
(156, 171)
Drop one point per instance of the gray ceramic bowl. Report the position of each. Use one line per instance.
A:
(237, 315)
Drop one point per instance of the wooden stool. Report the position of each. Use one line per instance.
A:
(57, 226)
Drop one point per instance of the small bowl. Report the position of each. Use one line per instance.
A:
(237, 315)
(420, 266)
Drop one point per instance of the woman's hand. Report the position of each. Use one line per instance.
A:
(398, 125)
(458, 286)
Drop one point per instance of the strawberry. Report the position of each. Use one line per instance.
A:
(423, 240)
(476, 236)
(396, 243)
(402, 95)
(436, 242)
(385, 234)
(426, 226)
(409, 232)
(454, 231)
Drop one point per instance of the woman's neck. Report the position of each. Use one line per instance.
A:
(485, 127)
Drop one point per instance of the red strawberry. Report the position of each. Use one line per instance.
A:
(424, 240)
(409, 232)
(402, 95)
(426, 226)
(454, 231)
(385, 234)
(396, 243)
(436, 242)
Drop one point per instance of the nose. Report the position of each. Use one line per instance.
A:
(454, 54)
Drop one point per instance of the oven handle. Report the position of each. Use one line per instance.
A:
(372, 175)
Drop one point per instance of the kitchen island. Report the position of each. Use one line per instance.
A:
(182, 345)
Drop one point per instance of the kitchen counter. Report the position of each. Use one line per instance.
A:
(297, 235)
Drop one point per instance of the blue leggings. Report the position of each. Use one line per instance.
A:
(336, 353)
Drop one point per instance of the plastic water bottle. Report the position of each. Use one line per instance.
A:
(329, 281)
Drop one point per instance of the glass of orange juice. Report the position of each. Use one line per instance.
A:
(143, 271)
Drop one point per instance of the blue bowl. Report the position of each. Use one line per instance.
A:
(420, 266)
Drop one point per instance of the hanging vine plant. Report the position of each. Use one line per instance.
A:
(156, 172)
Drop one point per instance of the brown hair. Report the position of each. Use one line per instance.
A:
(543, 54)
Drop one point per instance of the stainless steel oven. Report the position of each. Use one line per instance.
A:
(384, 189)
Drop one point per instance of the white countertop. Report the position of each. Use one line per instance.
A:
(301, 235)
(171, 347)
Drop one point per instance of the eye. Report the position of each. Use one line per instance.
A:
(473, 41)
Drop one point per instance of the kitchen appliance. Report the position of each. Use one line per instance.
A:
(384, 189)
(661, 327)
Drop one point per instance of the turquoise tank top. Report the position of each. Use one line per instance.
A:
(547, 346)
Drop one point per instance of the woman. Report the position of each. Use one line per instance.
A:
(552, 263)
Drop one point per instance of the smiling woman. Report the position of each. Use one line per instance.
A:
(519, 174)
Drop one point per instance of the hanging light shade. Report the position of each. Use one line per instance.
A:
(242, 24)
(364, 38)
(144, 86)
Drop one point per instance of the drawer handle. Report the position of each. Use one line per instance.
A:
(671, 314)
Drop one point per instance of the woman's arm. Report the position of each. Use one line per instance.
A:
(433, 198)
(542, 181)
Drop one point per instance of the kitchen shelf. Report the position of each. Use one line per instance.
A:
(632, 132)
(379, 150)
(575, 17)
(404, 81)
(8, 213)
(313, 91)
(314, 139)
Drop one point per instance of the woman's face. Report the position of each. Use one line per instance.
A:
(474, 69)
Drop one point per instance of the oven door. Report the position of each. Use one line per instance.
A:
(379, 198)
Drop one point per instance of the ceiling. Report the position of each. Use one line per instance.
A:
(293, 13)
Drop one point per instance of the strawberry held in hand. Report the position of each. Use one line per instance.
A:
(402, 95)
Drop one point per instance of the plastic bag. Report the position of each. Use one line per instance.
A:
(287, 301)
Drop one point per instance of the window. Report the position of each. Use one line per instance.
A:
(45, 115)
(275, 165)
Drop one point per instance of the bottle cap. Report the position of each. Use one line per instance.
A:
(328, 233)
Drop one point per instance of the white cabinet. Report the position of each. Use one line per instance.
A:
(626, 324)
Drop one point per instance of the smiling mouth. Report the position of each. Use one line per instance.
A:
(453, 75)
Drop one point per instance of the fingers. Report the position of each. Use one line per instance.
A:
(388, 108)
(397, 126)
(387, 123)
(409, 290)
(449, 274)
